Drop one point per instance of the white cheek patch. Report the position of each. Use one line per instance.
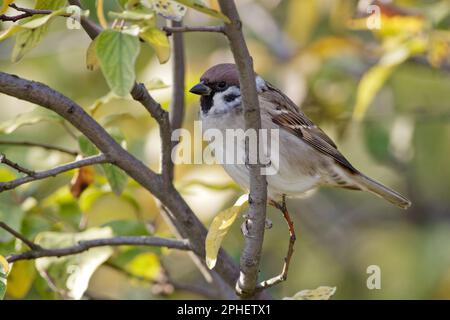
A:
(260, 84)
(220, 105)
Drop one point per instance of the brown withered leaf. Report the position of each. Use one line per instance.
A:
(82, 179)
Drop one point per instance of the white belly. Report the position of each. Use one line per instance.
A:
(294, 174)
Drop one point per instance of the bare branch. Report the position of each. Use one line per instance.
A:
(177, 104)
(141, 94)
(53, 172)
(88, 244)
(20, 236)
(251, 255)
(38, 144)
(179, 29)
(15, 166)
(185, 222)
(179, 72)
(26, 13)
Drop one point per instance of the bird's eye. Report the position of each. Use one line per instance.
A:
(221, 85)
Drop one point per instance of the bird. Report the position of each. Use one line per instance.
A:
(308, 157)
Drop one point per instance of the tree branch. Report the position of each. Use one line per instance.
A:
(177, 104)
(40, 145)
(251, 255)
(180, 215)
(180, 28)
(184, 221)
(15, 166)
(88, 244)
(141, 94)
(53, 172)
(179, 70)
(19, 236)
(26, 13)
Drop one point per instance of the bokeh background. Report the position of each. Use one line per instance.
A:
(317, 52)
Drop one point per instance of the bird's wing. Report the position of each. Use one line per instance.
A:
(289, 117)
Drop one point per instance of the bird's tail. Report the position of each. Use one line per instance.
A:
(378, 189)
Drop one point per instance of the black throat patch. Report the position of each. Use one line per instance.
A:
(206, 102)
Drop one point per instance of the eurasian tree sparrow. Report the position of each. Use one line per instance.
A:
(307, 157)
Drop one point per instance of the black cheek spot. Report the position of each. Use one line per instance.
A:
(230, 97)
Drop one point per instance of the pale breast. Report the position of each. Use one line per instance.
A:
(295, 166)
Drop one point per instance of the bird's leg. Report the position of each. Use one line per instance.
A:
(284, 273)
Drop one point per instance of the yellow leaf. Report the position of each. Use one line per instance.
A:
(159, 41)
(321, 293)
(145, 265)
(91, 57)
(5, 5)
(220, 226)
(375, 78)
(20, 279)
(4, 265)
(302, 19)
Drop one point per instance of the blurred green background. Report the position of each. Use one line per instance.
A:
(311, 51)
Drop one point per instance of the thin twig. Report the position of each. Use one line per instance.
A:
(85, 245)
(38, 144)
(15, 166)
(53, 172)
(18, 235)
(30, 11)
(141, 94)
(26, 13)
(179, 29)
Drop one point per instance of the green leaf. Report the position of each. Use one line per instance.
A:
(87, 147)
(28, 118)
(117, 53)
(159, 41)
(12, 215)
(116, 177)
(127, 228)
(200, 6)
(377, 137)
(153, 84)
(219, 228)
(71, 274)
(29, 39)
(321, 293)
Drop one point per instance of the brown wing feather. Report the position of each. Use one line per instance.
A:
(292, 119)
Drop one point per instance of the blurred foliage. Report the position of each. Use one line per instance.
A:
(380, 93)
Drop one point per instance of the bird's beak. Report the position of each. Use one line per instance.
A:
(201, 89)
